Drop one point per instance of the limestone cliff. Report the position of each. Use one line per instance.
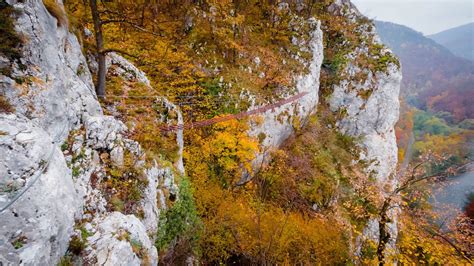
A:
(367, 101)
(71, 176)
(57, 153)
(278, 124)
(367, 97)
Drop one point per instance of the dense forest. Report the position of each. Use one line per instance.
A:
(313, 199)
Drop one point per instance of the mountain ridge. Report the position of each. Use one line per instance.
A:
(459, 40)
(433, 77)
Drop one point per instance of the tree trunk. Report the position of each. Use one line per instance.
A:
(99, 40)
(384, 234)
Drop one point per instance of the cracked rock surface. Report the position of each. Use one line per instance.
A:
(119, 239)
(59, 134)
(35, 229)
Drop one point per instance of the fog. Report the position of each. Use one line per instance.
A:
(426, 16)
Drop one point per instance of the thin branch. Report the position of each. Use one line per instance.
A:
(113, 50)
(108, 21)
(136, 26)
(447, 240)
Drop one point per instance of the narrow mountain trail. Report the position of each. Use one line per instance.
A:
(215, 120)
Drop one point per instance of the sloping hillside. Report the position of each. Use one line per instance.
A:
(459, 40)
(433, 78)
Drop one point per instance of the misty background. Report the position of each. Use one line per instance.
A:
(426, 16)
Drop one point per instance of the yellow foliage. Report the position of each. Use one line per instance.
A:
(241, 224)
(418, 246)
(439, 144)
(227, 151)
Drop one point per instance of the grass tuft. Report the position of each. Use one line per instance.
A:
(57, 11)
(10, 41)
(5, 106)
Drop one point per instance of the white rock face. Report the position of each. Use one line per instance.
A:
(154, 202)
(103, 132)
(277, 124)
(58, 102)
(371, 117)
(120, 239)
(35, 229)
(61, 90)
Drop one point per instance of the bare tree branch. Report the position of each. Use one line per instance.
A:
(113, 50)
(450, 242)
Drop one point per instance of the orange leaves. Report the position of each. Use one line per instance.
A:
(238, 223)
(264, 233)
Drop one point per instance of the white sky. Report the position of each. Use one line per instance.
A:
(427, 16)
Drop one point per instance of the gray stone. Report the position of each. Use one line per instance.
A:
(103, 132)
(60, 97)
(42, 218)
(114, 239)
(61, 91)
(276, 131)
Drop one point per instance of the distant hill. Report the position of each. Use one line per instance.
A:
(433, 77)
(459, 40)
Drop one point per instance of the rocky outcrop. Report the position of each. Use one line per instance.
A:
(367, 101)
(278, 123)
(119, 239)
(58, 152)
(369, 106)
(372, 119)
(171, 115)
(35, 180)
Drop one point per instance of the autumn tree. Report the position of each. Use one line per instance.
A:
(132, 15)
(99, 40)
(400, 198)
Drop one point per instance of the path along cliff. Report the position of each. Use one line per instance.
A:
(83, 181)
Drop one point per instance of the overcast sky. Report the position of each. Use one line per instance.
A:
(426, 16)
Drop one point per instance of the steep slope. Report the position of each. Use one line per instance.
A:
(459, 40)
(64, 163)
(366, 96)
(95, 181)
(433, 77)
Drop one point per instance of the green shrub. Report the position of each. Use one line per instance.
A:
(179, 221)
(19, 242)
(77, 245)
(137, 248)
(76, 171)
(65, 261)
(427, 123)
(117, 204)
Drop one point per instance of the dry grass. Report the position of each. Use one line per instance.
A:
(5, 106)
(57, 11)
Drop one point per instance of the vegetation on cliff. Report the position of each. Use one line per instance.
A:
(311, 200)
